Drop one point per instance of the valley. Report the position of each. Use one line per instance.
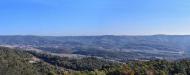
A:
(118, 48)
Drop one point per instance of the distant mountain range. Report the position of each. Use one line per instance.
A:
(107, 46)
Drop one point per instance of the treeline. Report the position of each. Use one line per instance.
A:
(83, 64)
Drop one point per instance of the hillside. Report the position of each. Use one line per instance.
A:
(14, 62)
(17, 62)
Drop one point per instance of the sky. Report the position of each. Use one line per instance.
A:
(94, 17)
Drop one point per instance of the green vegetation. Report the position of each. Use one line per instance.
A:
(15, 62)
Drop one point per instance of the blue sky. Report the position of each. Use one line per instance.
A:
(94, 17)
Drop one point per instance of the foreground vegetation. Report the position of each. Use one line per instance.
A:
(14, 62)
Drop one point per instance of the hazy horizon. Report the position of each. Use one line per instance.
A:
(94, 17)
(91, 34)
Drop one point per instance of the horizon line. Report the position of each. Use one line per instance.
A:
(104, 35)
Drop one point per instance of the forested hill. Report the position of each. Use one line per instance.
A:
(16, 62)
